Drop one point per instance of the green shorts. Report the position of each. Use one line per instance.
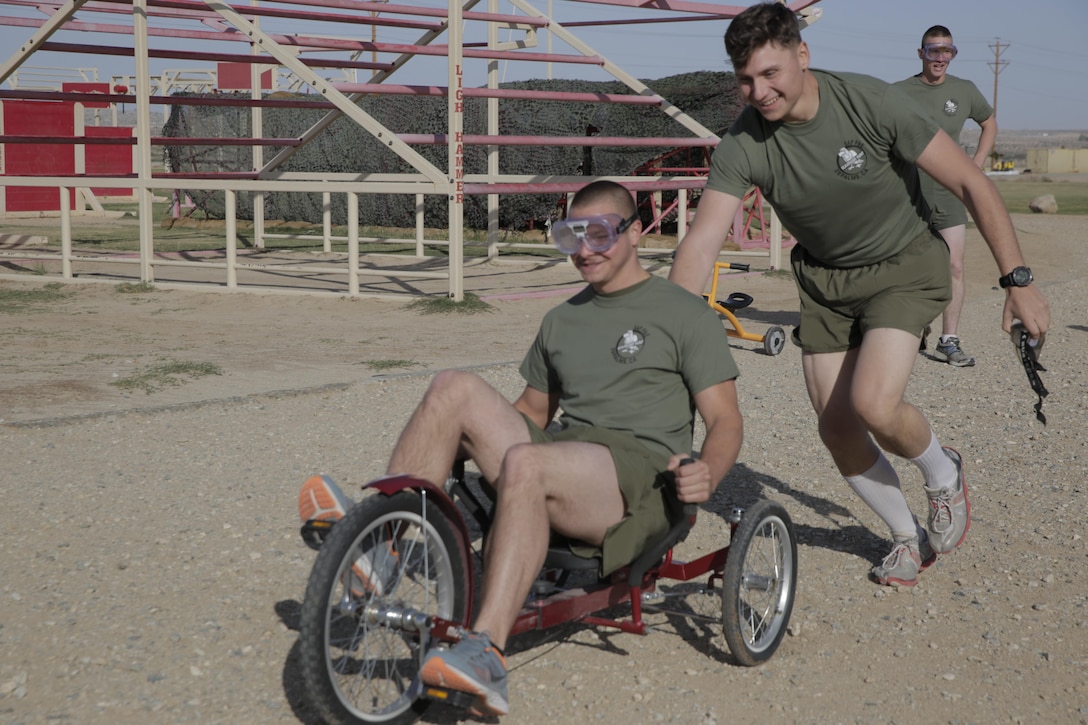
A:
(946, 210)
(839, 305)
(647, 488)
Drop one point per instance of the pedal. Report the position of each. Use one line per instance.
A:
(461, 700)
(314, 532)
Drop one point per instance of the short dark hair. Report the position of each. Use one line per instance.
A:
(604, 190)
(937, 31)
(760, 25)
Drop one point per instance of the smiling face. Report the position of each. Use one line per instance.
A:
(935, 61)
(775, 81)
(617, 267)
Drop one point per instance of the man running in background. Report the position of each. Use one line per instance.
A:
(950, 101)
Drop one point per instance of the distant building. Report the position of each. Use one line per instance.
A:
(1057, 161)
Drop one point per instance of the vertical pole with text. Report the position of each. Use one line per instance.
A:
(456, 145)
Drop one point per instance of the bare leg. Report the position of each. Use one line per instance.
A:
(570, 487)
(861, 392)
(955, 238)
(458, 411)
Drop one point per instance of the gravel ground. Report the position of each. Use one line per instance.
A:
(151, 570)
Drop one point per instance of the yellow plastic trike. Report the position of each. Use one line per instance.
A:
(775, 338)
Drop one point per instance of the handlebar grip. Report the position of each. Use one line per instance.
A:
(739, 266)
(690, 509)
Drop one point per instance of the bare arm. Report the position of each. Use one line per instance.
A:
(986, 141)
(945, 161)
(698, 251)
(539, 406)
(717, 405)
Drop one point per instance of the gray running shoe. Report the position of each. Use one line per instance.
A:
(949, 510)
(950, 352)
(473, 665)
(900, 568)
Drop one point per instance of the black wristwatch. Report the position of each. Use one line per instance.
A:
(1018, 277)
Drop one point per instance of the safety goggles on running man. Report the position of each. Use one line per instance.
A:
(598, 232)
(939, 51)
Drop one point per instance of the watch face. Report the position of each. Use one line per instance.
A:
(1021, 276)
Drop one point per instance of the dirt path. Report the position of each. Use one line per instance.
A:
(151, 571)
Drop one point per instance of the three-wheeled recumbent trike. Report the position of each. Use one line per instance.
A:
(395, 577)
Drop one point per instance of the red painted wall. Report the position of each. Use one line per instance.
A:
(38, 118)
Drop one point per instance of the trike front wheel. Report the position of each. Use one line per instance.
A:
(391, 562)
(759, 583)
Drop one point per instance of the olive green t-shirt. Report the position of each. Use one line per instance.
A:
(632, 360)
(844, 183)
(950, 103)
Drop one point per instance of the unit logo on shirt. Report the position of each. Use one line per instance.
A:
(950, 107)
(629, 345)
(852, 160)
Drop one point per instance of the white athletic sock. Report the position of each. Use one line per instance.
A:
(946, 338)
(937, 468)
(879, 488)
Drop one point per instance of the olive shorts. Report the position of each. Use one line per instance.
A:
(946, 210)
(647, 488)
(839, 305)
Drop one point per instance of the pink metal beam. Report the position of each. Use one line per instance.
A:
(155, 141)
(567, 188)
(201, 10)
(195, 55)
(479, 140)
(164, 100)
(326, 43)
(379, 7)
(685, 6)
(389, 89)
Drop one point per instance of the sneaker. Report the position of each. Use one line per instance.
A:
(473, 665)
(949, 510)
(900, 568)
(922, 342)
(322, 500)
(950, 352)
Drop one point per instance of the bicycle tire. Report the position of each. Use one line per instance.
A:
(759, 583)
(357, 668)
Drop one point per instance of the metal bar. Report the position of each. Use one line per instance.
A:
(191, 55)
(481, 140)
(509, 93)
(143, 137)
(456, 151)
(155, 141)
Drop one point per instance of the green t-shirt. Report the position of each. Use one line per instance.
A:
(950, 104)
(631, 360)
(844, 183)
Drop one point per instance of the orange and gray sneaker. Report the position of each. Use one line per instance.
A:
(473, 665)
(908, 557)
(949, 510)
(322, 500)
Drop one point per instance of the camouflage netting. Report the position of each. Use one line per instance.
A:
(709, 97)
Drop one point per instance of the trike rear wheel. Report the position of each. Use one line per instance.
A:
(389, 563)
(759, 583)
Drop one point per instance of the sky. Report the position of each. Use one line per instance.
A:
(1043, 84)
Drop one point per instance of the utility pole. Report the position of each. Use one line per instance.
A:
(998, 65)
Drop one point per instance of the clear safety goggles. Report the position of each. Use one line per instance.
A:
(939, 51)
(599, 232)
